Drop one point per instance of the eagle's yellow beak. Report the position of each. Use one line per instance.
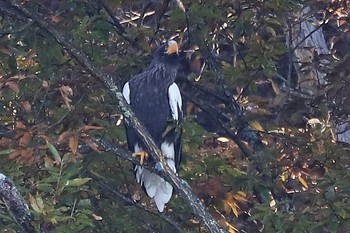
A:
(172, 47)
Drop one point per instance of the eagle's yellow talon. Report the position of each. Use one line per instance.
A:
(143, 154)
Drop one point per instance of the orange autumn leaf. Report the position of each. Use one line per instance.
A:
(303, 182)
(73, 144)
(15, 154)
(25, 139)
(27, 153)
(64, 136)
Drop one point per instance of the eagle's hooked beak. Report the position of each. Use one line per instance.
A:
(172, 47)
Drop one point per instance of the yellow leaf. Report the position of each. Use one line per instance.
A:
(240, 196)
(231, 229)
(303, 182)
(34, 204)
(256, 125)
(73, 144)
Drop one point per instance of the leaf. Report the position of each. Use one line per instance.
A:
(231, 229)
(25, 139)
(6, 152)
(77, 182)
(36, 203)
(303, 182)
(13, 86)
(54, 152)
(256, 125)
(223, 139)
(26, 106)
(97, 217)
(73, 144)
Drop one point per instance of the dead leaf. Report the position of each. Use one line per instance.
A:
(92, 145)
(25, 139)
(20, 125)
(13, 86)
(64, 136)
(15, 154)
(303, 182)
(88, 127)
(56, 19)
(45, 84)
(66, 93)
(26, 106)
(97, 217)
(73, 144)
(223, 139)
(5, 50)
(27, 153)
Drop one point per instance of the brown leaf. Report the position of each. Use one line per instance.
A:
(73, 144)
(15, 154)
(20, 125)
(26, 106)
(56, 19)
(27, 153)
(5, 50)
(25, 139)
(13, 86)
(66, 93)
(64, 136)
(88, 127)
(92, 145)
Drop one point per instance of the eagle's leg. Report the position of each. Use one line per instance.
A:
(143, 154)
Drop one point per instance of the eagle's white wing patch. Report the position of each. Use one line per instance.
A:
(175, 101)
(126, 92)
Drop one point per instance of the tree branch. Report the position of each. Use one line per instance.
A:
(181, 187)
(115, 194)
(15, 204)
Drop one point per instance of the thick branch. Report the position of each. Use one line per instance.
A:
(182, 188)
(15, 204)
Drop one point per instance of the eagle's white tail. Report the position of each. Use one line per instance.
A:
(156, 187)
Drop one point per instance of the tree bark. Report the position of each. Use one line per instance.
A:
(16, 206)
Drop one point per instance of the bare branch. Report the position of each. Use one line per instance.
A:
(116, 194)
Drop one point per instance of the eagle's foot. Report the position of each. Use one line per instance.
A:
(143, 154)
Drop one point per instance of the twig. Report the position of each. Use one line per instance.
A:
(181, 187)
(99, 180)
(120, 29)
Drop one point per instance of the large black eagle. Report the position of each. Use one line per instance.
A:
(156, 101)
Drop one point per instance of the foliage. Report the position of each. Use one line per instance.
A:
(50, 109)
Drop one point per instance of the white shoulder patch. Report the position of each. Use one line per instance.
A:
(126, 92)
(175, 101)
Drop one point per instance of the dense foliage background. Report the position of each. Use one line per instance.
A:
(292, 177)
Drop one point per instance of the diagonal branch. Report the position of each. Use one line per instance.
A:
(181, 187)
(116, 194)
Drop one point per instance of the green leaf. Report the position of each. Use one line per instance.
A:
(7, 152)
(54, 152)
(77, 182)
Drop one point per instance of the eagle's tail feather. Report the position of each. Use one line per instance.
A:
(156, 187)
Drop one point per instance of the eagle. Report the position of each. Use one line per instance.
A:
(156, 100)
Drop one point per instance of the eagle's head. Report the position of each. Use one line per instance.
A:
(167, 53)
